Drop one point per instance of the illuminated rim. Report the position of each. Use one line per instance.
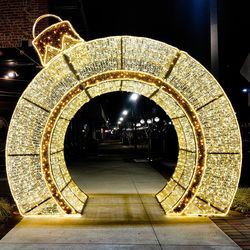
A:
(207, 173)
(124, 75)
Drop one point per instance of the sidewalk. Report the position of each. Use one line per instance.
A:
(121, 213)
(100, 229)
(237, 227)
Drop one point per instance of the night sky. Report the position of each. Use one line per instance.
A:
(181, 23)
(184, 24)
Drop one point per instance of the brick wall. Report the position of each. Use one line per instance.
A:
(17, 18)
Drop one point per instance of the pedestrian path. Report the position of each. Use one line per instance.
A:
(237, 227)
(122, 213)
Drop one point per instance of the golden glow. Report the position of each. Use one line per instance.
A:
(208, 168)
(53, 40)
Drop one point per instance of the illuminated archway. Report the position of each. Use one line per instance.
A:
(208, 169)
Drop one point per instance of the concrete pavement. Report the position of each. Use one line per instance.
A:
(121, 213)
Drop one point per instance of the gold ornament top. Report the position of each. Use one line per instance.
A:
(54, 39)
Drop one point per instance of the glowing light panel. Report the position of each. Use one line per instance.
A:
(209, 161)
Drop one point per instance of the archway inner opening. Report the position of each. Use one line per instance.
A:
(178, 191)
(121, 143)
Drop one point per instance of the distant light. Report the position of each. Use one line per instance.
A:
(149, 121)
(115, 128)
(138, 124)
(157, 119)
(11, 74)
(134, 97)
(244, 90)
(121, 119)
(169, 123)
(11, 62)
(119, 122)
(142, 121)
(125, 112)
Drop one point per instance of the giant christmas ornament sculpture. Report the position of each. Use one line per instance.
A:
(209, 161)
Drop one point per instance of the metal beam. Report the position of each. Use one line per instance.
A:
(214, 39)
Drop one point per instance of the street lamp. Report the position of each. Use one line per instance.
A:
(149, 133)
(247, 91)
(121, 119)
(134, 97)
(11, 74)
(149, 121)
(157, 119)
(142, 121)
(151, 127)
(125, 112)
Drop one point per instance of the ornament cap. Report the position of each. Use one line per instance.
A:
(54, 39)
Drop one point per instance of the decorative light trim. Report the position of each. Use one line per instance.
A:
(208, 168)
(54, 39)
(124, 75)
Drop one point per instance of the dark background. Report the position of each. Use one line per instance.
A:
(182, 23)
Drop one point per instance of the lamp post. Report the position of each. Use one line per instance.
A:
(133, 98)
(124, 112)
(151, 123)
(247, 91)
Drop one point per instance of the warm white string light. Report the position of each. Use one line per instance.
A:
(208, 169)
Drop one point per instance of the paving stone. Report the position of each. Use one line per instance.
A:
(122, 213)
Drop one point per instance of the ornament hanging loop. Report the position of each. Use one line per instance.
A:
(39, 19)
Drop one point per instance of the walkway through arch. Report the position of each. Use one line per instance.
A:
(209, 162)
